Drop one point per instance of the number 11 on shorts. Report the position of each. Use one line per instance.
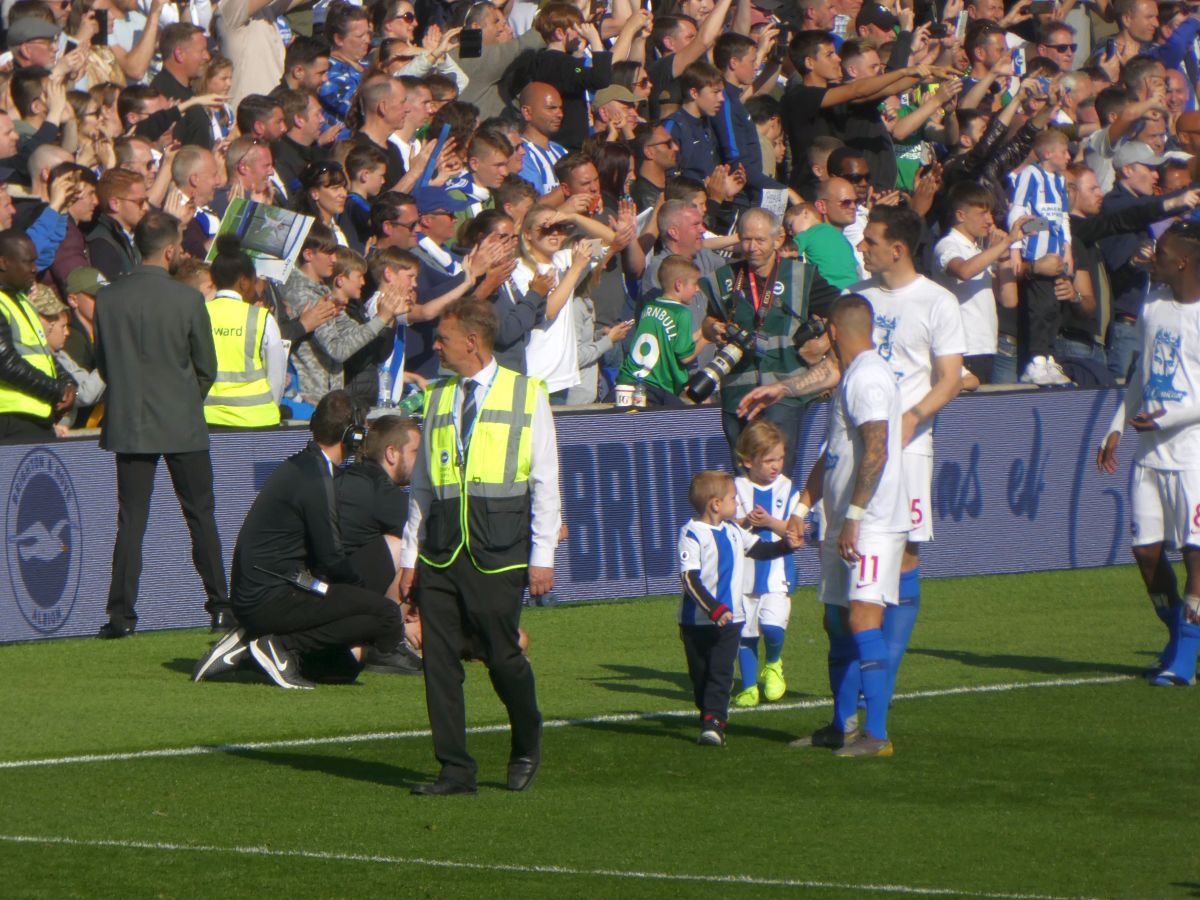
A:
(868, 570)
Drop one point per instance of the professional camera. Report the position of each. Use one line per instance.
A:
(701, 385)
(810, 329)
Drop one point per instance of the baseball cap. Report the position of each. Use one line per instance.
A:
(611, 93)
(46, 302)
(431, 200)
(874, 14)
(1132, 152)
(30, 29)
(85, 280)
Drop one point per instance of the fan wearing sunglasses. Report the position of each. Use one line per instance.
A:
(819, 235)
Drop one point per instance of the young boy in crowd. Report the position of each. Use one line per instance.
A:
(1041, 191)
(972, 262)
(822, 244)
(712, 554)
(767, 505)
(703, 89)
(366, 167)
(664, 343)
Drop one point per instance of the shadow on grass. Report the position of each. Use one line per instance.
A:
(685, 728)
(1049, 665)
(641, 680)
(1192, 887)
(353, 768)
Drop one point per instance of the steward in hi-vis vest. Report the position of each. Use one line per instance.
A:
(31, 388)
(483, 522)
(241, 396)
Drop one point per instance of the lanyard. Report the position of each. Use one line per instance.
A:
(761, 306)
(455, 412)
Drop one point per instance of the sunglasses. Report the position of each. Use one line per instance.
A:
(409, 225)
(1063, 48)
(857, 177)
(554, 228)
(846, 204)
(406, 17)
(667, 143)
(643, 83)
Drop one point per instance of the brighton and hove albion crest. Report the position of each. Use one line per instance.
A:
(43, 540)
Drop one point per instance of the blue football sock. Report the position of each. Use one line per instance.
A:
(873, 664)
(1182, 662)
(773, 637)
(844, 681)
(898, 622)
(748, 662)
(1165, 607)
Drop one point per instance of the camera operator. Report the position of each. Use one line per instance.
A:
(289, 540)
(780, 305)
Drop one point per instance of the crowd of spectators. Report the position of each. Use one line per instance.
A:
(551, 157)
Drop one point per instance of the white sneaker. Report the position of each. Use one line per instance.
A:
(1035, 371)
(1054, 373)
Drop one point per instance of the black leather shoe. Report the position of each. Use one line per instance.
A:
(521, 771)
(222, 621)
(442, 788)
(110, 632)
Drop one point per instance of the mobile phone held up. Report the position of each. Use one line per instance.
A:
(1033, 226)
(470, 43)
(101, 37)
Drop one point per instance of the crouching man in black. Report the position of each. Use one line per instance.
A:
(300, 600)
(372, 508)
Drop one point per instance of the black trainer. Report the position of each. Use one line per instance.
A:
(225, 656)
(279, 664)
(401, 661)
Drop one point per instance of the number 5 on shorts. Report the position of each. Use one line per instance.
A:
(918, 516)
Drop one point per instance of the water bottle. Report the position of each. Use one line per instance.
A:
(639, 393)
(385, 389)
(413, 403)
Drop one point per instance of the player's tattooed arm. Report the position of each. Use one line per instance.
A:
(875, 454)
(814, 380)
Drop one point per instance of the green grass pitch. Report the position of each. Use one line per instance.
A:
(1074, 778)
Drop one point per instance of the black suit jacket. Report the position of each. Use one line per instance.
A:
(370, 504)
(292, 526)
(110, 249)
(154, 349)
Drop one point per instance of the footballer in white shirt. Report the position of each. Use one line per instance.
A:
(919, 333)
(1163, 397)
(860, 479)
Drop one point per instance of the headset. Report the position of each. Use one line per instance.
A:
(356, 432)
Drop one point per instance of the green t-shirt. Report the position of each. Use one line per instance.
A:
(828, 249)
(663, 338)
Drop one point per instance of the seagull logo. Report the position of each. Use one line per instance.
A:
(35, 542)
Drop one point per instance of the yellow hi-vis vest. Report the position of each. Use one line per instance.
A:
(241, 395)
(29, 340)
(483, 506)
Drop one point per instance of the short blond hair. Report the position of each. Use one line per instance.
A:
(760, 436)
(346, 261)
(673, 267)
(707, 486)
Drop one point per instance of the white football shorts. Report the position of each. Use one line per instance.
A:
(875, 578)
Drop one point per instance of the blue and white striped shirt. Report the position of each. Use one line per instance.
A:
(538, 167)
(718, 553)
(1039, 193)
(780, 499)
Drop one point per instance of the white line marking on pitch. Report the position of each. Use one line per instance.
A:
(202, 749)
(329, 856)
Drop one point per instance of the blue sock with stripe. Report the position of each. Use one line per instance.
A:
(898, 622)
(873, 665)
(773, 637)
(844, 681)
(748, 662)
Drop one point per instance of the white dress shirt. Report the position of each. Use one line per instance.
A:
(545, 503)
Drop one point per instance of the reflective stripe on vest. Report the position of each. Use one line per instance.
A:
(29, 340)
(496, 476)
(241, 395)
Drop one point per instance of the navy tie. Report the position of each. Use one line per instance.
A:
(468, 413)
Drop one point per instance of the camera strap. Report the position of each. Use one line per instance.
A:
(761, 305)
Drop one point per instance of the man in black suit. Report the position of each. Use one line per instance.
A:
(301, 600)
(154, 348)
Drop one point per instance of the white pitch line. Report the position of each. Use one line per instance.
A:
(532, 869)
(200, 750)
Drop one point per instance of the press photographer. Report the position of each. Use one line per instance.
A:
(771, 309)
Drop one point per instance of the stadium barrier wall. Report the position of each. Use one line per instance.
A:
(1015, 490)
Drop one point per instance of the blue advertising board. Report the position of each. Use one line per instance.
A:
(1015, 490)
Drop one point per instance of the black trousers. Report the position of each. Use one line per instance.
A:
(19, 429)
(192, 477)
(307, 623)
(710, 653)
(1041, 315)
(460, 606)
(981, 366)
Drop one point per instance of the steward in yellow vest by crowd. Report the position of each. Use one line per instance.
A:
(251, 356)
(484, 517)
(32, 390)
